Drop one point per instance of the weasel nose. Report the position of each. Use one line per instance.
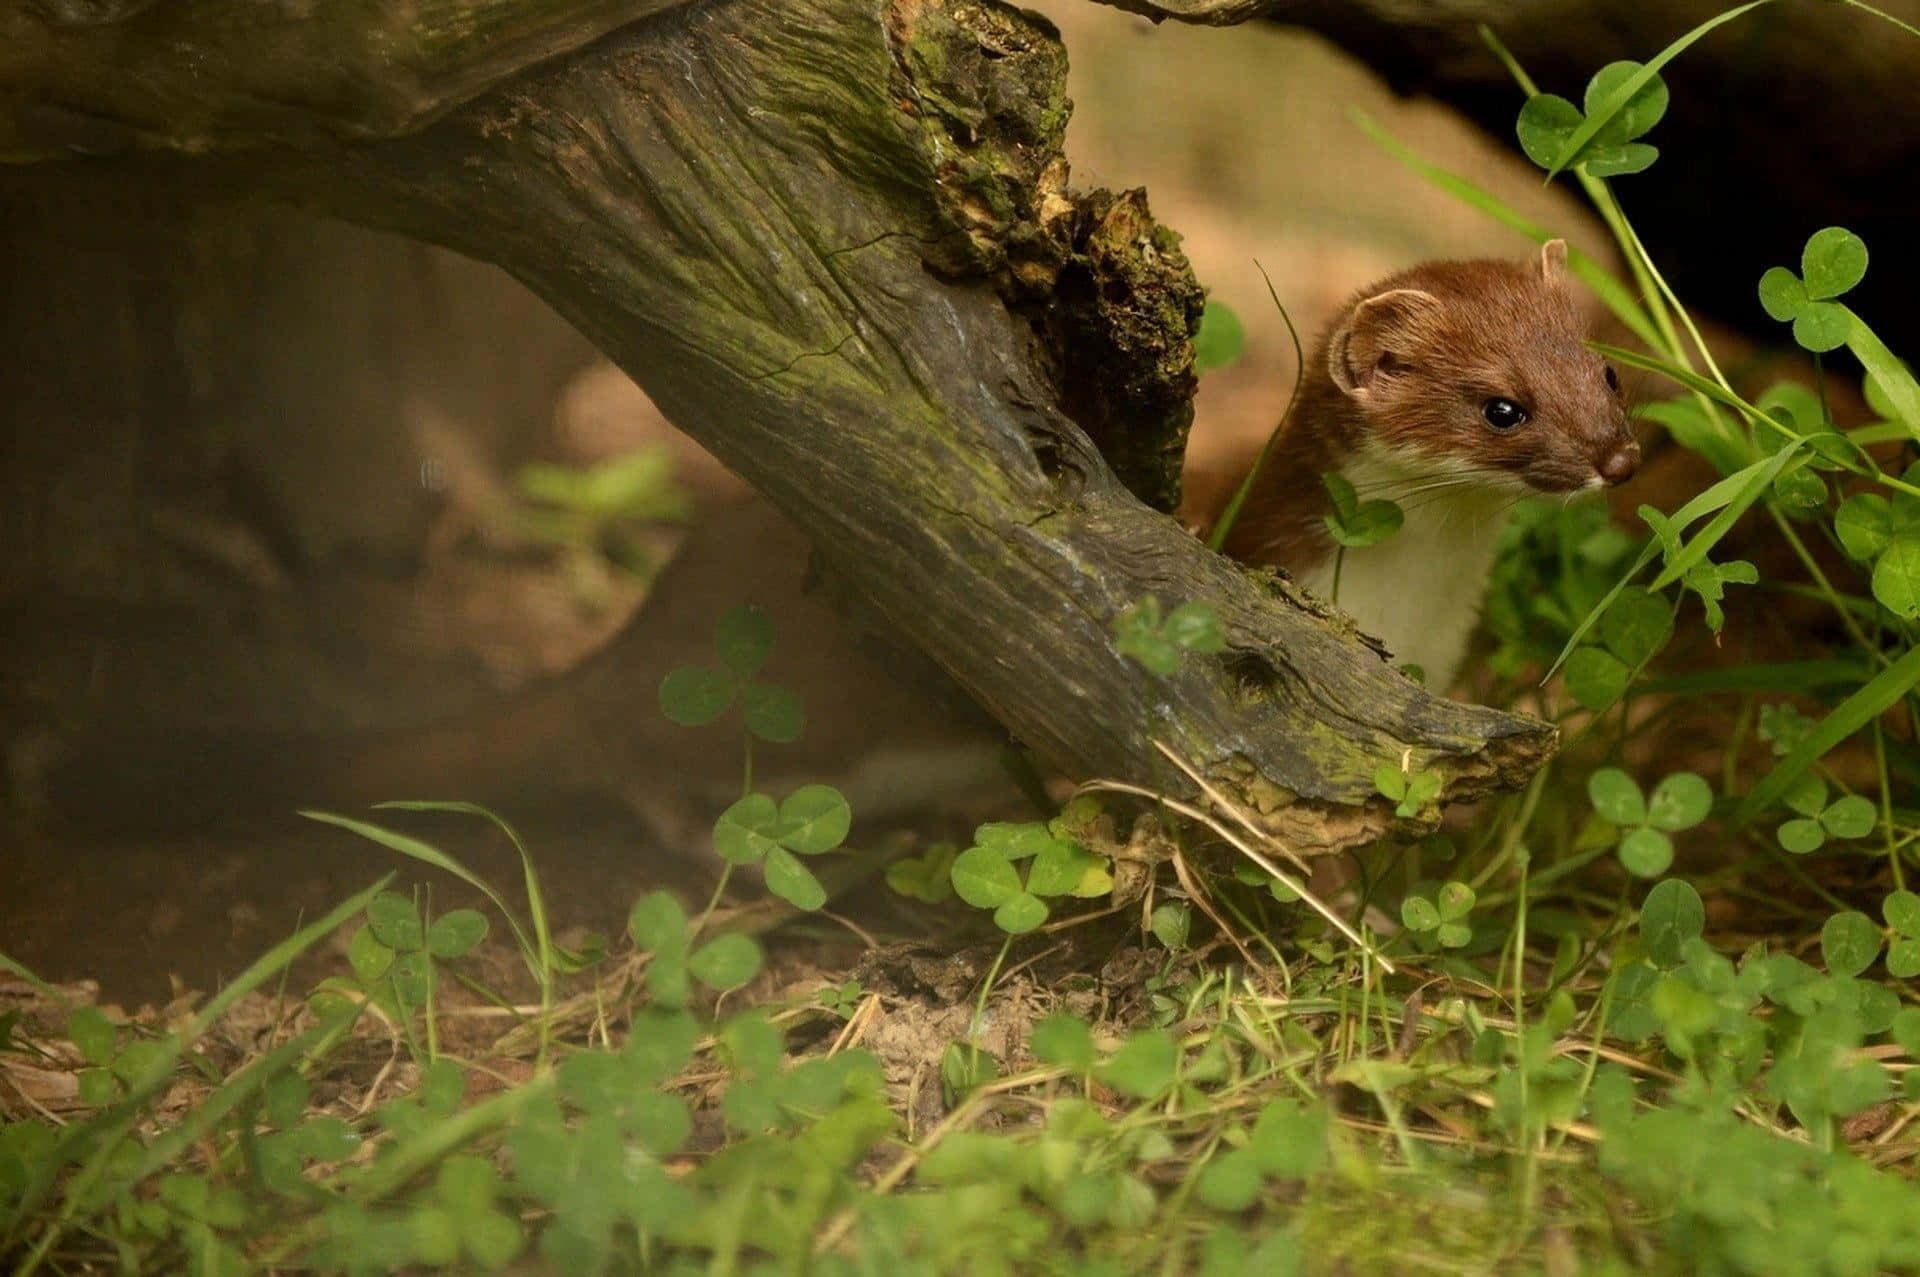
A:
(1618, 466)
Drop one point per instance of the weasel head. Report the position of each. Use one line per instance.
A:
(1479, 368)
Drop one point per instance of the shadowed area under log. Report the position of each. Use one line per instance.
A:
(829, 238)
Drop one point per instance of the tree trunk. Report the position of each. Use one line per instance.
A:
(832, 240)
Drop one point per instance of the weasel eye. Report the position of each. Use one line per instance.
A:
(1503, 414)
(1613, 380)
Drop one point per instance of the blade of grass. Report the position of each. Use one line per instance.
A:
(1785, 676)
(536, 905)
(1714, 498)
(426, 853)
(1848, 717)
(1887, 369)
(105, 1134)
(1218, 536)
(1758, 478)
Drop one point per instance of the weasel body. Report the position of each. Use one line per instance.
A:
(1454, 389)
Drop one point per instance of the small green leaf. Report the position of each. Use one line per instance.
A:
(1903, 958)
(1679, 802)
(657, 922)
(814, 819)
(1641, 111)
(1865, 525)
(1064, 1041)
(792, 881)
(412, 976)
(1341, 493)
(1417, 913)
(1849, 942)
(1823, 326)
(1834, 260)
(1851, 817)
(455, 933)
(93, 1034)
(1671, 915)
(1220, 339)
(96, 1088)
(964, 1067)
(1801, 836)
(772, 713)
(1646, 853)
(1231, 1182)
(1021, 914)
(1807, 796)
(1422, 788)
(1290, 1141)
(1454, 901)
(367, 956)
(1171, 923)
(1901, 909)
(1782, 295)
(1546, 124)
(1390, 781)
(1800, 492)
(283, 1101)
(1896, 577)
(695, 695)
(1637, 626)
(1059, 868)
(1144, 1066)
(726, 962)
(1371, 523)
(747, 830)
(1616, 797)
(985, 878)
(395, 921)
(1453, 935)
(1194, 626)
(1596, 678)
(743, 639)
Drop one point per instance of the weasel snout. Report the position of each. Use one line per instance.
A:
(1618, 465)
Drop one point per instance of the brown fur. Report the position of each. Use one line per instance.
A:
(1409, 363)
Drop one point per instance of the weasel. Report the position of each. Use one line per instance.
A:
(1454, 389)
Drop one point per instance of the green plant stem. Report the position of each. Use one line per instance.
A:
(1217, 536)
(986, 987)
(1833, 597)
(713, 902)
(1886, 803)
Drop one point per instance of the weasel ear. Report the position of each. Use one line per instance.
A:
(1384, 328)
(1553, 261)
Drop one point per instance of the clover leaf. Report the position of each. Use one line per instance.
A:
(1158, 642)
(1410, 790)
(1443, 916)
(756, 830)
(1548, 124)
(695, 695)
(1850, 817)
(986, 875)
(1354, 523)
(1678, 802)
(1833, 261)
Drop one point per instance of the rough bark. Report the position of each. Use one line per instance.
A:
(832, 239)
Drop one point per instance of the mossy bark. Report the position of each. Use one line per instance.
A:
(833, 240)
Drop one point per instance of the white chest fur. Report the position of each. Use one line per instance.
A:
(1420, 590)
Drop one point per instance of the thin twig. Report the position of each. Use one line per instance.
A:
(1298, 888)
